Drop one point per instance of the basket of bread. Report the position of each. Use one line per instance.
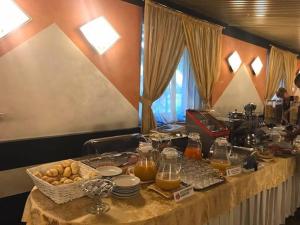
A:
(61, 181)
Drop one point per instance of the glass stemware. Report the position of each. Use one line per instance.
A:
(96, 189)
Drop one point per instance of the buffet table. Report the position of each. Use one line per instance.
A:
(264, 197)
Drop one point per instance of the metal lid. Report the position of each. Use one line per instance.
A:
(170, 153)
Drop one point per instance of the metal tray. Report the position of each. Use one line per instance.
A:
(120, 159)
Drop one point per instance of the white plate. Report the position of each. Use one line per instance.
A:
(126, 181)
(125, 197)
(109, 171)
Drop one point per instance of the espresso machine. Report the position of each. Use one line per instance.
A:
(244, 126)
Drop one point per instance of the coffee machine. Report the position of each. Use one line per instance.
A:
(243, 127)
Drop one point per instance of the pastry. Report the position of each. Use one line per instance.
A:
(67, 172)
(74, 168)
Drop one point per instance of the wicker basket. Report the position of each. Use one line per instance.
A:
(61, 193)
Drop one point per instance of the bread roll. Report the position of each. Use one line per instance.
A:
(55, 183)
(68, 181)
(62, 179)
(66, 163)
(45, 178)
(52, 179)
(59, 168)
(52, 172)
(77, 179)
(67, 172)
(38, 174)
(72, 177)
(74, 168)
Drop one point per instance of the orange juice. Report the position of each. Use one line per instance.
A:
(167, 185)
(221, 165)
(145, 171)
(193, 153)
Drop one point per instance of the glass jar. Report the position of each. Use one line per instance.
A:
(193, 149)
(168, 174)
(220, 151)
(145, 167)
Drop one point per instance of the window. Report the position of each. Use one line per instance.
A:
(181, 93)
(281, 84)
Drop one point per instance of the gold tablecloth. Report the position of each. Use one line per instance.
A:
(151, 209)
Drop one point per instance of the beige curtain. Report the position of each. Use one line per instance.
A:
(164, 44)
(275, 71)
(290, 67)
(204, 44)
(282, 65)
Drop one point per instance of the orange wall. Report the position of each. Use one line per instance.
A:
(120, 64)
(247, 52)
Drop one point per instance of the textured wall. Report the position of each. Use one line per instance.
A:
(239, 92)
(120, 64)
(49, 87)
(52, 82)
(248, 53)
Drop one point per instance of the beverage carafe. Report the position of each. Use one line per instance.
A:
(145, 168)
(220, 151)
(193, 149)
(167, 177)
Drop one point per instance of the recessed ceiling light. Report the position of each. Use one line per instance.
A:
(234, 61)
(256, 66)
(100, 34)
(11, 17)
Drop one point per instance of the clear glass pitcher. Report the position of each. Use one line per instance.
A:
(168, 174)
(220, 152)
(145, 167)
(193, 149)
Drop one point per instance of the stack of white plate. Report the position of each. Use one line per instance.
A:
(126, 186)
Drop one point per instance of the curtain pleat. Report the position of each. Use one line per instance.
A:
(166, 34)
(164, 44)
(282, 66)
(290, 66)
(204, 43)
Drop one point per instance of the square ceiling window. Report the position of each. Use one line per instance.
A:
(11, 17)
(100, 34)
(256, 66)
(234, 61)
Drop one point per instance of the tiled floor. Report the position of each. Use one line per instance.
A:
(294, 220)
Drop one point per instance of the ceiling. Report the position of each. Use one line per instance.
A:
(275, 20)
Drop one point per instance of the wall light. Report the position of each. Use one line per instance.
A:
(11, 17)
(100, 34)
(256, 66)
(234, 61)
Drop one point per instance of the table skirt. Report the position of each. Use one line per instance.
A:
(270, 207)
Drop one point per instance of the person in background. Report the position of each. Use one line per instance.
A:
(295, 132)
(297, 80)
(286, 100)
